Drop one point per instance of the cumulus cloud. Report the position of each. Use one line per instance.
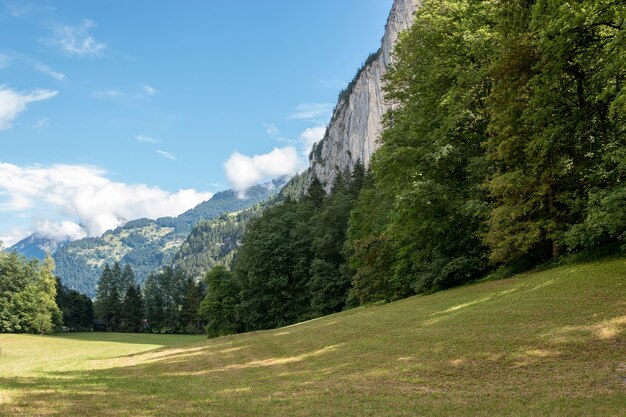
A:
(12, 103)
(89, 203)
(245, 171)
(63, 230)
(311, 136)
(46, 70)
(311, 111)
(77, 40)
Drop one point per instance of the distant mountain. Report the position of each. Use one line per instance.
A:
(36, 246)
(215, 242)
(146, 245)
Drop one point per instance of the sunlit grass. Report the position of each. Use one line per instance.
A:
(549, 343)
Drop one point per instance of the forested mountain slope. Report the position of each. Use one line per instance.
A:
(146, 245)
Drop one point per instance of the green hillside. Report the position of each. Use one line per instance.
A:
(146, 245)
(545, 343)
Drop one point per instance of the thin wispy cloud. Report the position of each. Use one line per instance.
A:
(151, 91)
(165, 154)
(12, 103)
(41, 124)
(145, 93)
(145, 139)
(311, 111)
(107, 94)
(21, 8)
(77, 40)
(5, 60)
(272, 129)
(333, 84)
(48, 71)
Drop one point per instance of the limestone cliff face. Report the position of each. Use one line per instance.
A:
(356, 123)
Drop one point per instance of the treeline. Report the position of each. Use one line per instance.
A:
(168, 302)
(32, 299)
(505, 149)
(119, 300)
(292, 265)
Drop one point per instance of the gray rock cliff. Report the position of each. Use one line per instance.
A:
(356, 123)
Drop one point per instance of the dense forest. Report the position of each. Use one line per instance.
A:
(506, 148)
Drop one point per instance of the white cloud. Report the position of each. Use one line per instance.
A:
(77, 40)
(82, 195)
(312, 111)
(146, 139)
(149, 90)
(63, 230)
(165, 154)
(13, 103)
(5, 60)
(46, 70)
(245, 171)
(311, 136)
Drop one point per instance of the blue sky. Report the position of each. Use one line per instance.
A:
(116, 110)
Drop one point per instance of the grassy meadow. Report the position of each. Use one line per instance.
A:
(546, 343)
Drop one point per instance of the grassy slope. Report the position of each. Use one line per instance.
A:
(548, 343)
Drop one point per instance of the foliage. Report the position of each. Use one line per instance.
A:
(27, 295)
(218, 309)
(77, 308)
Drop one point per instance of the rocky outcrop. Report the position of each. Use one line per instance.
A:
(356, 123)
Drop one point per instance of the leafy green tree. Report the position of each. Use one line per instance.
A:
(431, 161)
(219, 307)
(559, 92)
(272, 267)
(27, 295)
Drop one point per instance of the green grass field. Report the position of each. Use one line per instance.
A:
(548, 343)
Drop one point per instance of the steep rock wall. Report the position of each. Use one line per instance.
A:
(356, 123)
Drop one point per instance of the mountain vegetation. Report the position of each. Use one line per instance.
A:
(505, 148)
(146, 245)
(214, 242)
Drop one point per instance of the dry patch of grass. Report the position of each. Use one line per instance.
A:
(549, 343)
